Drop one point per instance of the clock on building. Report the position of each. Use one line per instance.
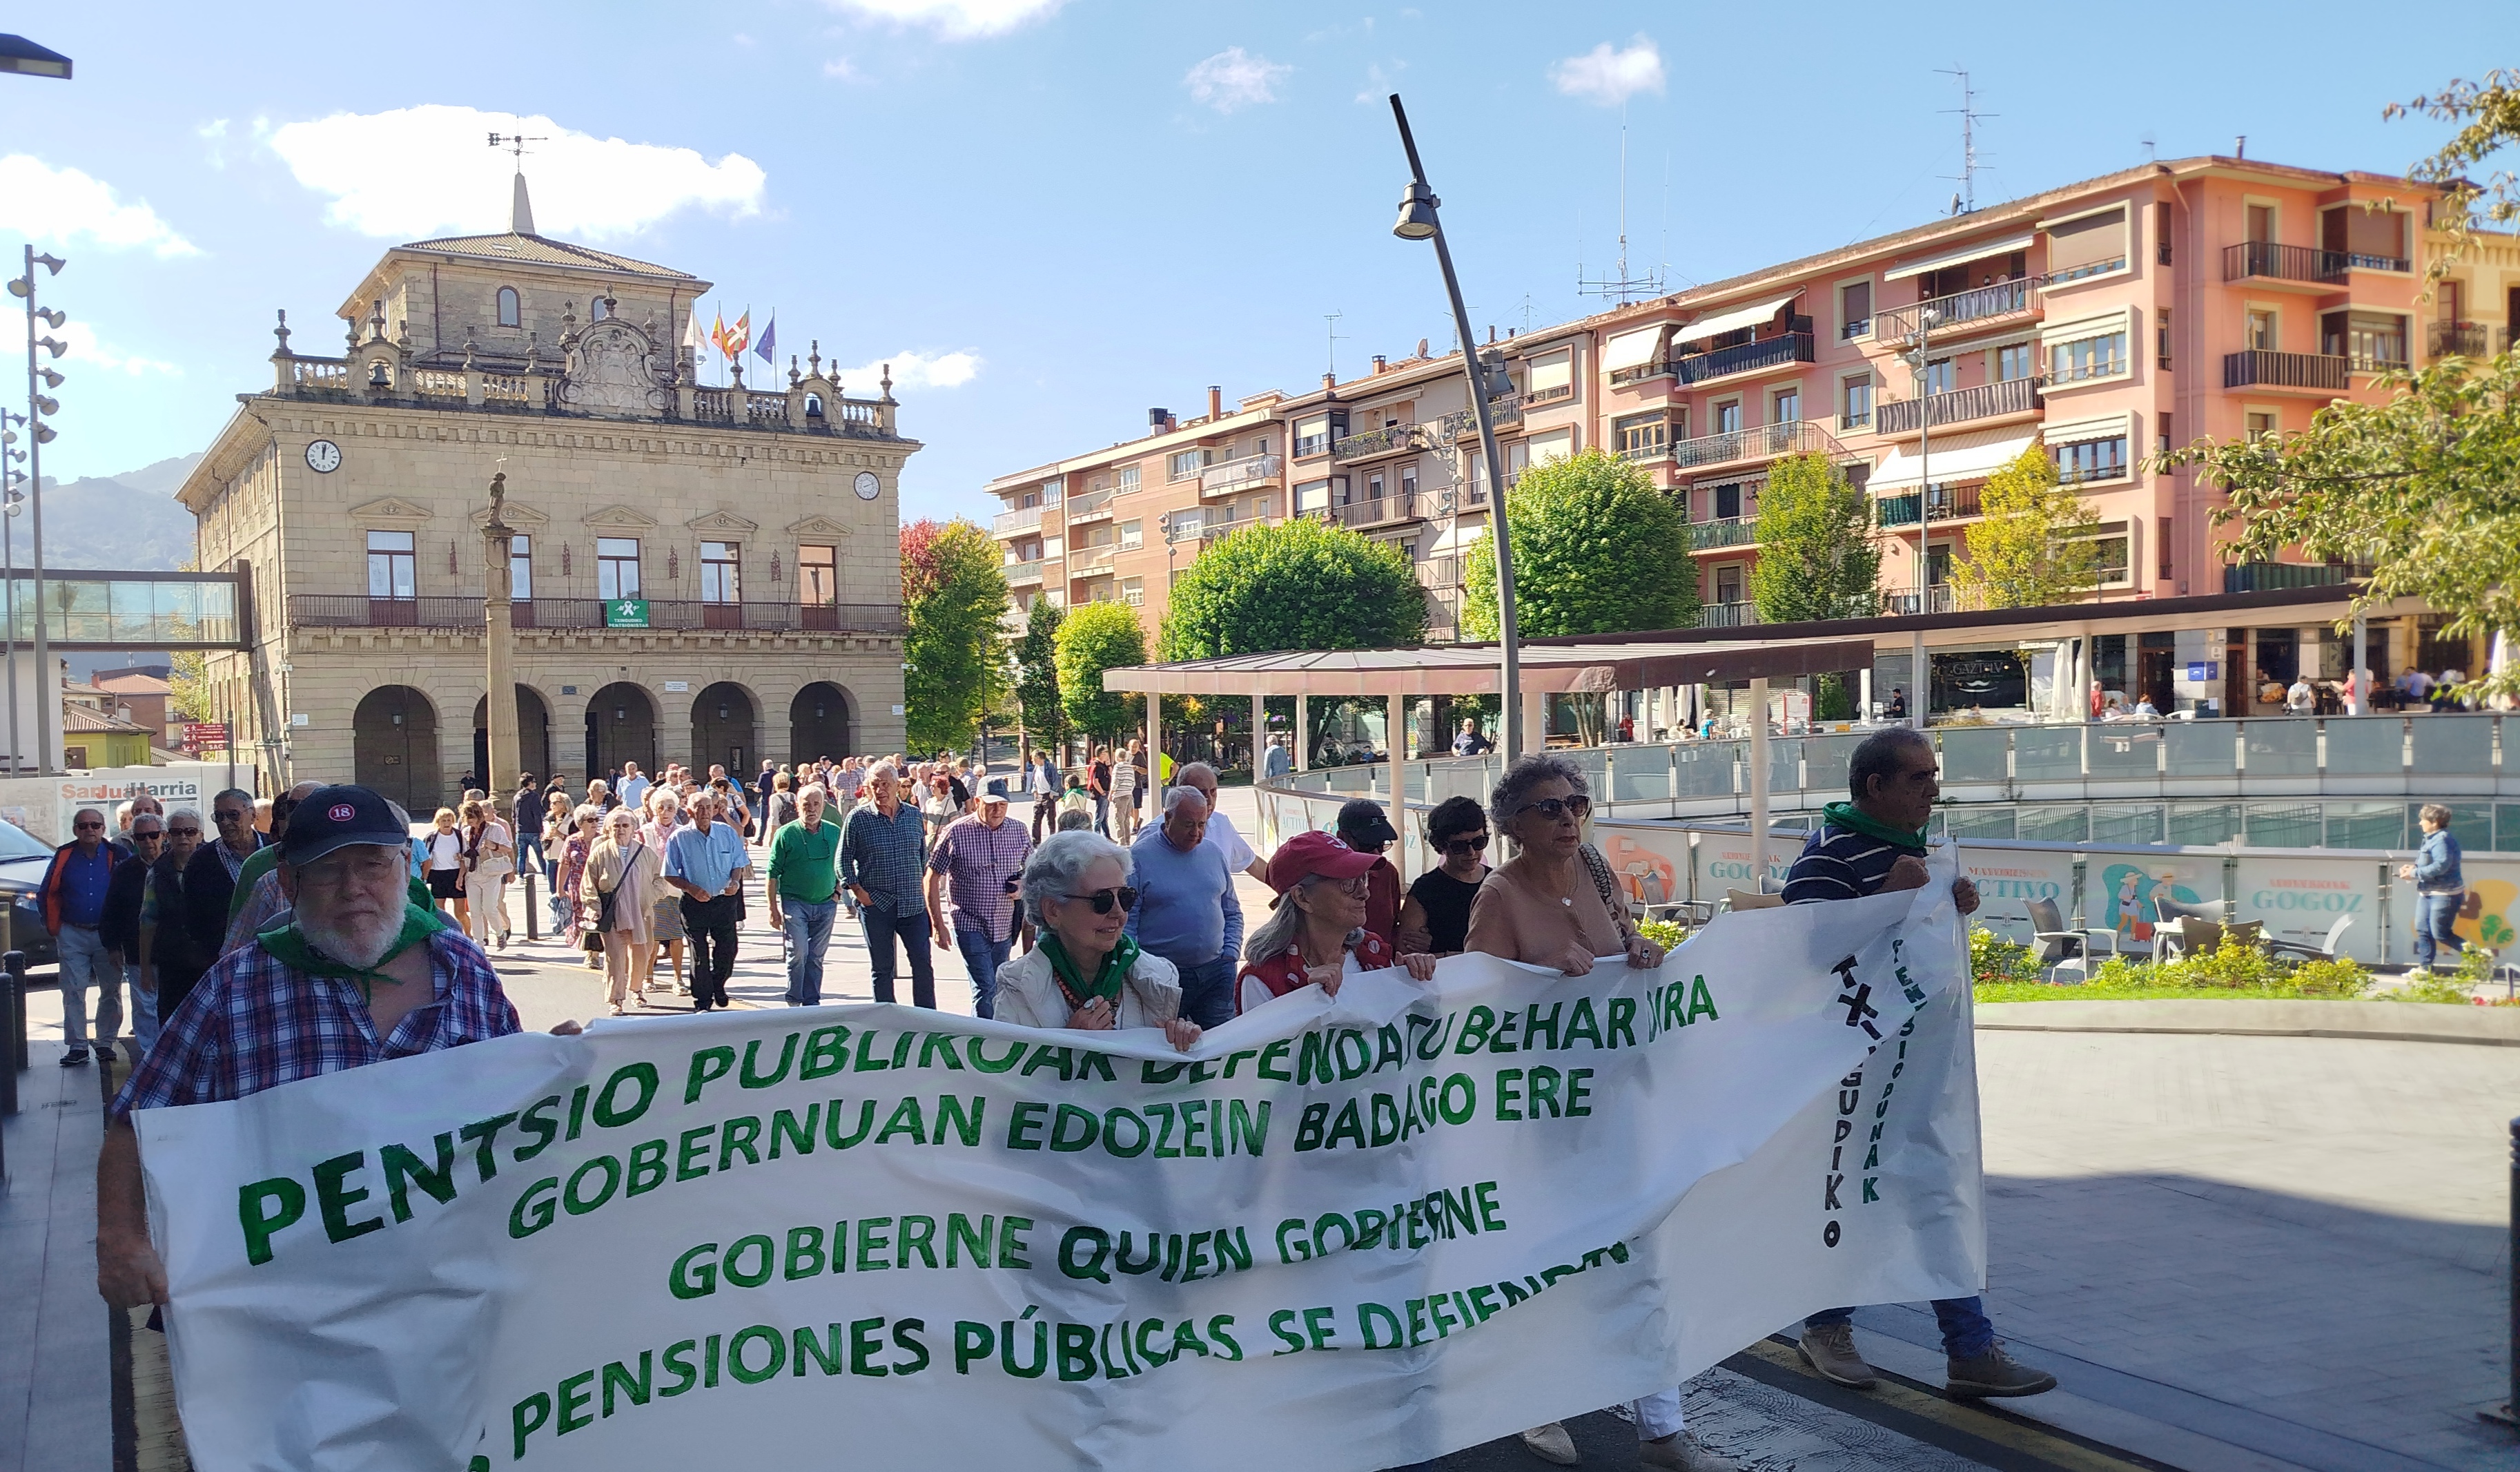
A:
(868, 487)
(323, 457)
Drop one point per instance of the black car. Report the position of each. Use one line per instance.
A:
(23, 857)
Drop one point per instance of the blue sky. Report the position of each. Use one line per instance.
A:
(1057, 214)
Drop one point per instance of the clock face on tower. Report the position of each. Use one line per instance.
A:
(323, 457)
(868, 487)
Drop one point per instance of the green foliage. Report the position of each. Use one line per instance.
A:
(1036, 653)
(2234, 969)
(1667, 934)
(2456, 987)
(1091, 639)
(2030, 548)
(1596, 549)
(2488, 118)
(1833, 698)
(1995, 960)
(953, 600)
(191, 699)
(1300, 585)
(1817, 557)
(2423, 489)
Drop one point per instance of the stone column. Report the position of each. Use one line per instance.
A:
(499, 643)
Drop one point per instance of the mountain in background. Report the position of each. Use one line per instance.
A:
(127, 522)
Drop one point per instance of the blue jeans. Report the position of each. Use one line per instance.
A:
(1967, 1333)
(143, 1014)
(911, 925)
(2435, 914)
(1208, 991)
(808, 929)
(529, 845)
(981, 958)
(84, 965)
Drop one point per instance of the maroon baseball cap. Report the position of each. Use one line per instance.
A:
(336, 817)
(1315, 853)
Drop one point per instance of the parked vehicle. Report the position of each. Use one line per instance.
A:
(23, 859)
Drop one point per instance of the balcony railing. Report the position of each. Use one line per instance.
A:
(2258, 367)
(1798, 436)
(1089, 561)
(1638, 453)
(1946, 504)
(1016, 523)
(1960, 310)
(1234, 474)
(1960, 406)
(355, 610)
(1092, 506)
(1022, 575)
(1730, 532)
(1854, 419)
(2268, 260)
(1859, 328)
(2275, 576)
(1390, 439)
(1440, 573)
(1794, 347)
(1938, 600)
(1727, 614)
(2464, 338)
(1462, 424)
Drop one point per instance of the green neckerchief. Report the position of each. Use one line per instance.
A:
(1848, 815)
(289, 943)
(1106, 981)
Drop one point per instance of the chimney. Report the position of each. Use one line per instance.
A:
(1491, 332)
(2240, 147)
(1215, 402)
(1159, 420)
(1378, 365)
(1329, 380)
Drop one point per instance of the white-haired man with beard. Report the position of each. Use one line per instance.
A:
(359, 974)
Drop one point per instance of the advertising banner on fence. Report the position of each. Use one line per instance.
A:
(2010, 877)
(1343, 1233)
(2301, 900)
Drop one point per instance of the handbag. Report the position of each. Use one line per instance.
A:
(1603, 881)
(607, 900)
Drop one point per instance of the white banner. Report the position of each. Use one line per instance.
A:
(902, 1238)
(2008, 878)
(2301, 900)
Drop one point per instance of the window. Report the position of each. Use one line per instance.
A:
(2161, 233)
(2114, 547)
(2161, 337)
(1409, 480)
(1030, 500)
(2089, 246)
(1125, 483)
(1132, 534)
(1856, 400)
(2370, 342)
(617, 568)
(818, 575)
(521, 567)
(1552, 378)
(2371, 239)
(511, 311)
(1051, 489)
(1312, 435)
(2100, 355)
(1941, 377)
(1374, 486)
(2262, 427)
(2091, 460)
(1728, 507)
(2167, 439)
(2260, 333)
(1188, 463)
(2163, 542)
(1557, 445)
(392, 565)
(1728, 416)
(720, 575)
(1133, 591)
(1728, 581)
(1312, 496)
(1785, 406)
(1643, 436)
(597, 309)
(2015, 360)
(1854, 309)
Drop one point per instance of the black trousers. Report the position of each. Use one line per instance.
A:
(710, 926)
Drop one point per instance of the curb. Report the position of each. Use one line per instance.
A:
(2379, 1022)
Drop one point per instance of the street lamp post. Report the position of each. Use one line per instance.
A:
(38, 435)
(15, 500)
(1920, 347)
(498, 624)
(1418, 220)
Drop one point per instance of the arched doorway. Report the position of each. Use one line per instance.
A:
(394, 748)
(818, 723)
(533, 740)
(725, 730)
(620, 726)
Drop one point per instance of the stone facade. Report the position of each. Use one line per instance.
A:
(353, 493)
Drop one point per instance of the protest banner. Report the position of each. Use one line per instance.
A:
(1342, 1233)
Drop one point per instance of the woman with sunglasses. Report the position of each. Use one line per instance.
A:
(584, 821)
(1087, 973)
(1435, 918)
(1316, 933)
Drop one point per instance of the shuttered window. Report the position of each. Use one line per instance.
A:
(2089, 245)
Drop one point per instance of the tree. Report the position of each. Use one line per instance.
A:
(2423, 489)
(1597, 550)
(1817, 557)
(2034, 546)
(2489, 114)
(191, 682)
(1037, 675)
(953, 600)
(1094, 638)
(1299, 584)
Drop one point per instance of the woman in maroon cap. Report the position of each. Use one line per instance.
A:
(1317, 933)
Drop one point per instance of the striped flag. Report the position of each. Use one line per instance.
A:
(738, 336)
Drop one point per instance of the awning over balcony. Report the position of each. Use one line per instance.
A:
(1953, 457)
(1632, 349)
(1735, 320)
(2003, 247)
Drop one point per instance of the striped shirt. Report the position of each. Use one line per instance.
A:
(977, 861)
(1840, 863)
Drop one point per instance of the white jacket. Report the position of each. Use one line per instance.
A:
(1028, 994)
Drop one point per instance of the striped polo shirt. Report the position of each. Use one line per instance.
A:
(1840, 863)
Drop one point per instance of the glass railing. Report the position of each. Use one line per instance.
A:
(128, 610)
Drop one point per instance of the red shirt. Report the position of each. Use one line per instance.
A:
(1382, 905)
(1285, 971)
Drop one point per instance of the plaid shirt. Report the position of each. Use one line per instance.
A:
(885, 857)
(251, 1023)
(976, 861)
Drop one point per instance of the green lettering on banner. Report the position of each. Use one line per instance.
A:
(335, 1200)
(917, 1235)
(616, 1375)
(610, 1112)
(988, 1065)
(738, 1136)
(483, 1136)
(1581, 1023)
(1623, 1021)
(534, 1207)
(1476, 1024)
(959, 1234)
(832, 1135)
(1273, 1061)
(935, 1045)
(1022, 1122)
(762, 1334)
(692, 1278)
(826, 1052)
(906, 1120)
(708, 1065)
(786, 1130)
(263, 1209)
(646, 1166)
(753, 1078)
(574, 1398)
(809, 1346)
(1246, 1126)
(678, 1363)
(539, 1124)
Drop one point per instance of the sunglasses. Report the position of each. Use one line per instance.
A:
(1125, 896)
(1473, 843)
(1554, 808)
(89, 827)
(149, 837)
(183, 833)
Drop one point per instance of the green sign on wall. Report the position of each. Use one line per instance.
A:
(626, 613)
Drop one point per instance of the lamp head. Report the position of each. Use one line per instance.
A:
(52, 263)
(44, 433)
(21, 287)
(53, 316)
(1417, 214)
(44, 404)
(50, 376)
(53, 346)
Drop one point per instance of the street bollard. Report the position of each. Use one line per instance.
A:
(2511, 1408)
(533, 911)
(11, 1025)
(14, 963)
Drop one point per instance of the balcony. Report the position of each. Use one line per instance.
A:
(1024, 575)
(1727, 614)
(1938, 600)
(2257, 368)
(2466, 340)
(1462, 424)
(1906, 416)
(1946, 504)
(2000, 304)
(1391, 439)
(1441, 574)
(1779, 351)
(357, 611)
(2265, 260)
(1238, 475)
(1800, 436)
(1016, 523)
(2275, 576)
(1730, 532)
(1092, 506)
(1088, 561)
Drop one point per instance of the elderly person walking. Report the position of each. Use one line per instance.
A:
(1187, 911)
(882, 856)
(1220, 833)
(2441, 889)
(666, 923)
(1088, 973)
(976, 864)
(707, 863)
(585, 824)
(623, 876)
(72, 899)
(1555, 904)
(804, 889)
(489, 859)
(1318, 933)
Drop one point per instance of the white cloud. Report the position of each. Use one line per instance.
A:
(91, 353)
(214, 135)
(57, 205)
(418, 171)
(1234, 78)
(840, 68)
(910, 370)
(1611, 78)
(956, 19)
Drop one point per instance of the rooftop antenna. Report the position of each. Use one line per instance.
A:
(1967, 202)
(515, 143)
(521, 209)
(2151, 155)
(1623, 288)
(1332, 318)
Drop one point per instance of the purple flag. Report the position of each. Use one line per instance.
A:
(768, 347)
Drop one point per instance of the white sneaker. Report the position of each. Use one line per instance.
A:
(1683, 1451)
(1552, 1444)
